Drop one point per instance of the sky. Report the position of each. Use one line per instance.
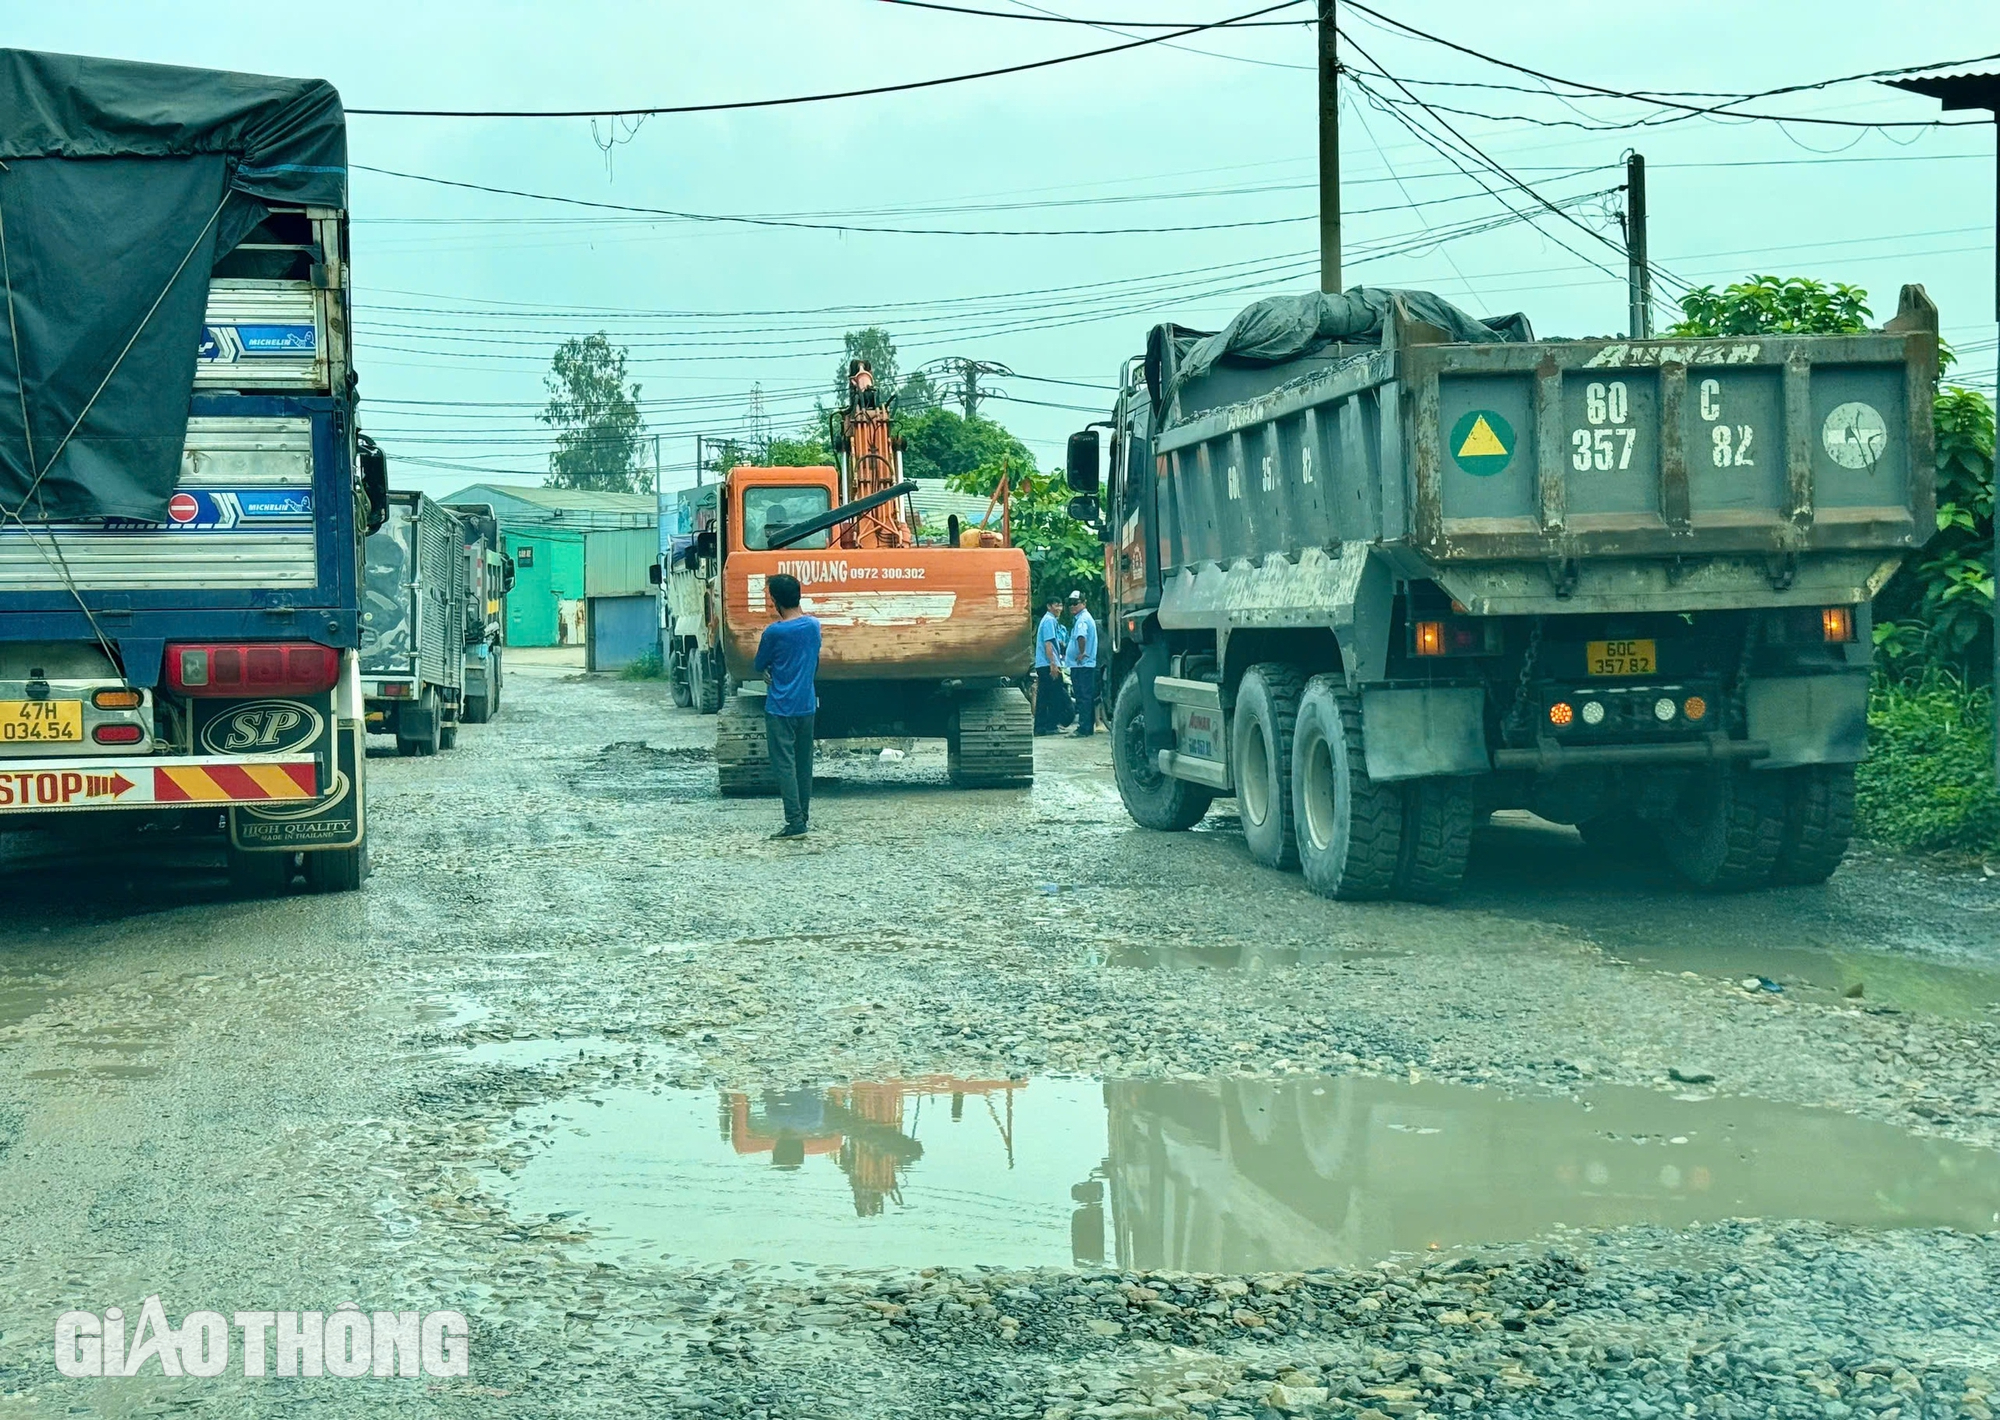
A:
(1176, 181)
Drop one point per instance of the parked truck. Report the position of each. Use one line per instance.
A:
(1377, 568)
(413, 614)
(918, 641)
(182, 493)
(489, 576)
(688, 620)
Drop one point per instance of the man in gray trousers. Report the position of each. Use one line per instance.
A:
(788, 655)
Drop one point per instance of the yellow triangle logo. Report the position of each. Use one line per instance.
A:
(1481, 441)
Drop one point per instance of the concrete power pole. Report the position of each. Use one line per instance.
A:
(1638, 274)
(968, 372)
(1329, 151)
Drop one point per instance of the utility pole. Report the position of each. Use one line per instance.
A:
(1638, 274)
(968, 373)
(1329, 151)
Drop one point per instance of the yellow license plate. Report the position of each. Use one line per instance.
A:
(1620, 657)
(40, 721)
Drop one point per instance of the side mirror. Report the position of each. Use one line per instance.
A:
(375, 484)
(506, 574)
(1083, 507)
(1083, 475)
(653, 574)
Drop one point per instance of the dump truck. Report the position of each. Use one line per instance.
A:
(489, 576)
(1377, 568)
(183, 487)
(919, 641)
(413, 614)
(688, 622)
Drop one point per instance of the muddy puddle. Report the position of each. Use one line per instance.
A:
(1228, 1176)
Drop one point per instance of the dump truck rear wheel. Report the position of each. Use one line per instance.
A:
(990, 742)
(677, 678)
(1350, 828)
(707, 687)
(1819, 821)
(1438, 819)
(1261, 736)
(1727, 830)
(742, 759)
(473, 710)
(1154, 800)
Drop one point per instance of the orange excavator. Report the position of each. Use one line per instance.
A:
(920, 638)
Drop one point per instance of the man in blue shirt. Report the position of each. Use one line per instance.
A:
(788, 655)
(1083, 664)
(1051, 700)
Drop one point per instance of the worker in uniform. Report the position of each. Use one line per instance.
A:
(1083, 664)
(788, 657)
(1051, 698)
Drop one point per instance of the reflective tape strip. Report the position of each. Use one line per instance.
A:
(233, 783)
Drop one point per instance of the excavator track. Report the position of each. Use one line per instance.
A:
(992, 740)
(742, 761)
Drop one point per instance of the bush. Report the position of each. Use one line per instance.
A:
(647, 667)
(1928, 782)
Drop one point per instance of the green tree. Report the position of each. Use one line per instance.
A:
(942, 443)
(1773, 305)
(873, 345)
(596, 419)
(806, 449)
(1064, 555)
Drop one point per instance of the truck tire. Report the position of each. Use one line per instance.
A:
(1726, 831)
(677, 678)
(337, 869)
(990, 740)
(1154, 800)
(1438, 819)
(706, 684)
(430, 714)
(742, 760)
(1350, 828)
(474, 710)
(254, 874)
(1261, 735)
(1819, 821)
(448, 735)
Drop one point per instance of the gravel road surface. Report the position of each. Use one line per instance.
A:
(989, 1104)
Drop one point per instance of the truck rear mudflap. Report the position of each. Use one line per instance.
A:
(151, 782)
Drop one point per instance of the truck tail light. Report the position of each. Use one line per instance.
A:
(118, 734)
(1836, 623)
(1456, 636)
(211, 670)
(117, 699)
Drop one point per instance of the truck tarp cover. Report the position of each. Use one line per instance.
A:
(1281, 328)
(123, 185)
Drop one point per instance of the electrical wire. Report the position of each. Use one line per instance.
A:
(733, 105)
(1093, 24)
(1718, 110)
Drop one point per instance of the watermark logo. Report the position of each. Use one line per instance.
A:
(346, 1342)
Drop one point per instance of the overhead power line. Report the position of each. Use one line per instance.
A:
(907, 86)
(1093, 24)
(1726, 110)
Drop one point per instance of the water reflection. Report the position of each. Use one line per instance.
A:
(1226, 1176)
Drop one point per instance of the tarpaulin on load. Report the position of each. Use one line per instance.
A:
(1281, 328)
(121, 184)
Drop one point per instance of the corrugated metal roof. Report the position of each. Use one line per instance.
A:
(572, 507)
(935, 503)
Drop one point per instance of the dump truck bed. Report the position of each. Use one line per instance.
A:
(1607, 475)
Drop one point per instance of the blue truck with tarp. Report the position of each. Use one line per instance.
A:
(184, 490)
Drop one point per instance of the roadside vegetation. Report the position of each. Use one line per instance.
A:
(1928, 784)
